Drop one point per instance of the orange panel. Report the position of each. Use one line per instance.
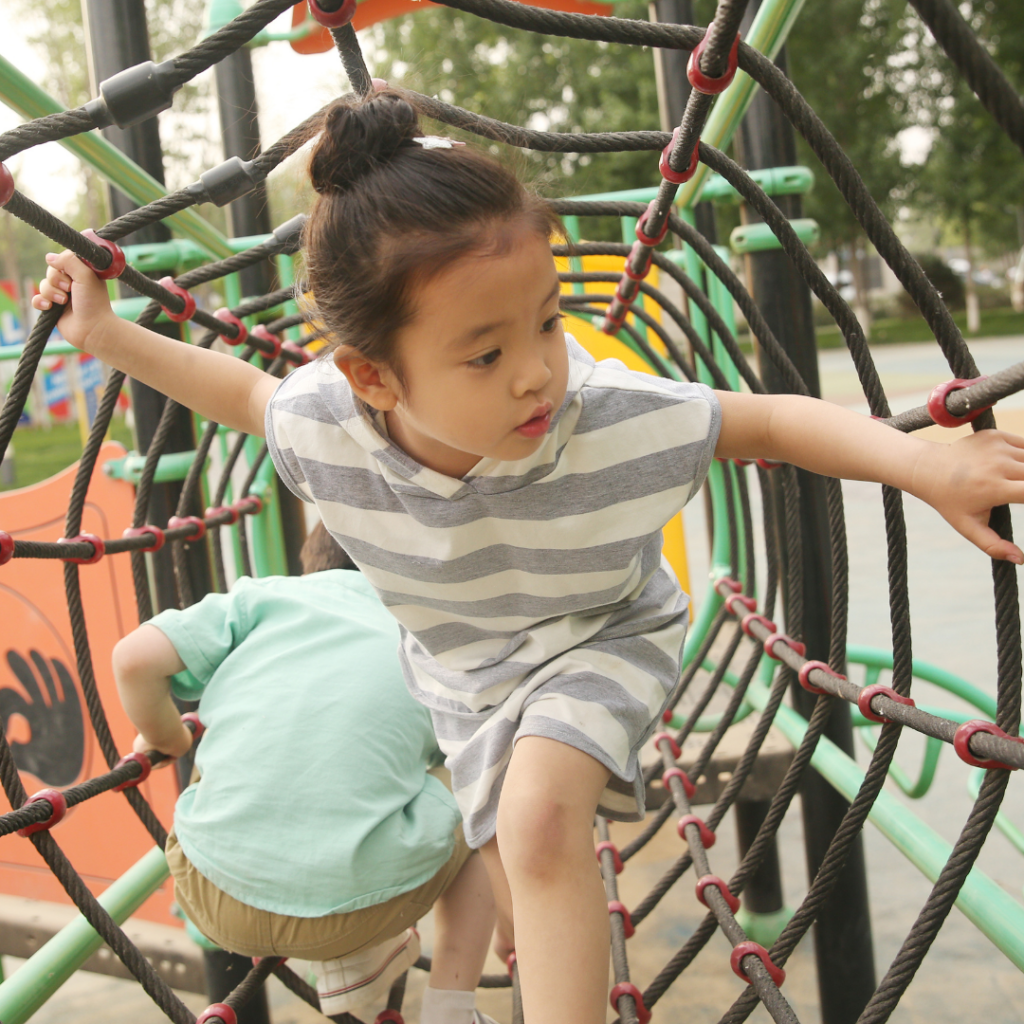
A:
(370, 12)
(41, 700)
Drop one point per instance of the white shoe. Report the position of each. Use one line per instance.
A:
(360, 983)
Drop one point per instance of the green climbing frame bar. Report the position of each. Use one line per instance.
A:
(21, 94)
(49, 967)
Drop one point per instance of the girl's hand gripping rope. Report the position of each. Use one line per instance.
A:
(962, 481)
(217, 386)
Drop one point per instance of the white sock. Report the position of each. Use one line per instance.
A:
(447, 1006)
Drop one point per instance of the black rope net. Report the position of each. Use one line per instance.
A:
(742, 630)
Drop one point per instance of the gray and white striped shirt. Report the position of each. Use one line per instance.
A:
(499, 576)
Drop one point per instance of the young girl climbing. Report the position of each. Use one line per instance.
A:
(505, 496)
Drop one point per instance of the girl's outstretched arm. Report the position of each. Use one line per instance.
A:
(963, 481)
(217, 386)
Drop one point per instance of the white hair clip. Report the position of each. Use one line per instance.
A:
(436, 142)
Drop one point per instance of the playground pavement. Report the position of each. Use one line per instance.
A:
(964, 979)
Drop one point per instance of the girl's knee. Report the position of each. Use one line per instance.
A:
(541, 834)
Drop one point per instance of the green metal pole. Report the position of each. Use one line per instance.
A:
(21, 94)
(983, 902)
(768, 35)
(25, 991)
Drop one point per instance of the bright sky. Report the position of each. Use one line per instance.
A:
(289, 88)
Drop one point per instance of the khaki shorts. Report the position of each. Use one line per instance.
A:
(239, 928)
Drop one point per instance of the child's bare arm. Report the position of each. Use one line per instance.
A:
(217, 386)
(962, 480)
(143, 663)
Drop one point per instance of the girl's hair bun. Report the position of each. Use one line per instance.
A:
(359, 136)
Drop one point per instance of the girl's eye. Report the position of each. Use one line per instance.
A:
(549, 325)
(486, 359)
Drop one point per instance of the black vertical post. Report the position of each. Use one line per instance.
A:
(250, 215)
(117, 39)
(843, 945)
(763, 893)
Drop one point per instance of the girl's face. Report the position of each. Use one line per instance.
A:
(484, 361)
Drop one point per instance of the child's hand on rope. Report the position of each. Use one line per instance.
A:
(174, 744)
(965, 480)
(69, 282)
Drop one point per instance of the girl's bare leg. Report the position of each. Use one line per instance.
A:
(545, 850)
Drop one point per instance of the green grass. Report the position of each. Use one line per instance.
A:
(894, 330)
(40, 453)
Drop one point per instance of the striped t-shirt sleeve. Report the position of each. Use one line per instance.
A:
(294, 390)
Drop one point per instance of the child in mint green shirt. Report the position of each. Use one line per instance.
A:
(316, 829)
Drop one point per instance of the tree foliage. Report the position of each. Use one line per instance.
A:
(542, 82)
(973, 179)
(851, 61)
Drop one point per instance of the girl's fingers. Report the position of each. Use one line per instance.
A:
(989, 541)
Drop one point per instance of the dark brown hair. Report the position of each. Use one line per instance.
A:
(391, 214)
(321, 551)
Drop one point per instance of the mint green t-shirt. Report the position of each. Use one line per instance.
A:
(314, 797)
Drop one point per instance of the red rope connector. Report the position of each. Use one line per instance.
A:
(617, 907)
(707, 837)
(750, 948)
(261, 332)
(962, 743)
(140, 531)
(140, 759)
(300, 354)
(219, 509)
(650, 240)
(613, 325)
(733, 599)
(57, 802)
(117, 260)
(865, 697)
(98, 548)
(218, 1010)
(627, 988)
(622, 298)
(765, 464)
(389, 1015)
(937, 403)
(634, 275)
(228, 317)
(706, 880)
(705, 83)
(688, 787)
(6, 547)
(616, 857)
(178, 521)
(197, 727)
(727, 583)
(250, 505)
(677, 177)
(804, 676)
(333, 19)
(774, 638)
(757, 617)
(186, 296)
(659, 736)
(6, 185)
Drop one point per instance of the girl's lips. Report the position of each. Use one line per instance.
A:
(537, 426)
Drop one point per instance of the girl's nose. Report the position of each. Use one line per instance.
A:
(533, 374)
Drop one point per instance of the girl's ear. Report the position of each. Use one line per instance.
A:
(374, 384)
